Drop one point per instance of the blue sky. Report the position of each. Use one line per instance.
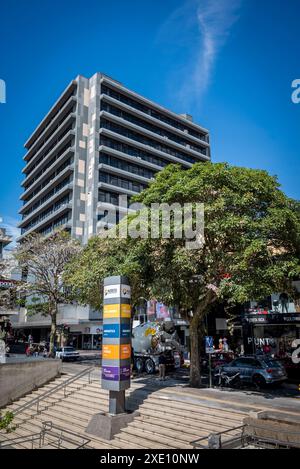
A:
(229, 63)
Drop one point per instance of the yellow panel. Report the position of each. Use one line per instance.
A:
(111, 311)
(111, 352)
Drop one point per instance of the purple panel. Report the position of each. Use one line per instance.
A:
(124, 373)
(111, 373)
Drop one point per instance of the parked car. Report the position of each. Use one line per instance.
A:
(67, 353)
(257, 370)
(217, 360)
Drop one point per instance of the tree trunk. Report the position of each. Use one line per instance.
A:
(195, 342)
(53, 329)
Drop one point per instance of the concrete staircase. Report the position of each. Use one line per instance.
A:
(165, 420)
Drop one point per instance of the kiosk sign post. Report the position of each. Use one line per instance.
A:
(116, 350)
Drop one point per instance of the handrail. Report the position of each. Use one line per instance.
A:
(197, 444)
(48, 429)
(64, 384)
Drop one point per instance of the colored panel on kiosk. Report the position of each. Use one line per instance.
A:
(111, 311)
(111, 331)
(111, 373)
(116, 311)
(111, 352)
(125, 350)
(125, 331)
(124, 373)
(125, 311)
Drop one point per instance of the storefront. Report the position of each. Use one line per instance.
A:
(274, 330)
(86, 336)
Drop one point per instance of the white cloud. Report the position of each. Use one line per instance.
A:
(201, 27)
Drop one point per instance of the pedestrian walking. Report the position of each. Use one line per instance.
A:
(162, 366)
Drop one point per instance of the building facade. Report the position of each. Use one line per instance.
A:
(99, 140)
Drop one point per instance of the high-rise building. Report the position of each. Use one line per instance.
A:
(99, 140)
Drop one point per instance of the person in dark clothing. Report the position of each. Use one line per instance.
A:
(162, 366)
(284, 301)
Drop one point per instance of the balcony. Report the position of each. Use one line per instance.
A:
(148, 148)
(61, 143)
(40, 223)
(61, 114)
(154, 121)
(130, 158)
(68, 170)
(119, 190)
(119, 172)
(53, 168)
(163, 140)
(66, 188)
(44, 147)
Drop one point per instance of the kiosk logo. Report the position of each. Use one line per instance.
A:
(2, 92)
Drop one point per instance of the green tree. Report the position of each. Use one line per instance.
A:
(43, 259)
(251, 246)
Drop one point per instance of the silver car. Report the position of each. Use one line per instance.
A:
(257, 370)
(67, 353)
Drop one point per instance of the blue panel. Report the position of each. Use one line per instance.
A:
(111, 331)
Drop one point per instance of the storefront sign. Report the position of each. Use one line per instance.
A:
(261, 341)
(279, 318)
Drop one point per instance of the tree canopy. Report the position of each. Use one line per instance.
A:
(251, 246)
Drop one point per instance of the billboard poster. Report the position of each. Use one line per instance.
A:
(151, 308)
(162, 311)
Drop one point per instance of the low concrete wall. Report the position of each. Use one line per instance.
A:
(19, 378)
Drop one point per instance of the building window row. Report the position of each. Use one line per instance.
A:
(48, 196)
(63, 101)
(153, 113)
(50, 178)
(52, 226)
(105, 213)
(133, 151)
(50, 163)
(152, 128)
(124, 166)
(121, 182)
(59, 123)
(53, 208)
(109, 197)
(119, 129)
(50, 148)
